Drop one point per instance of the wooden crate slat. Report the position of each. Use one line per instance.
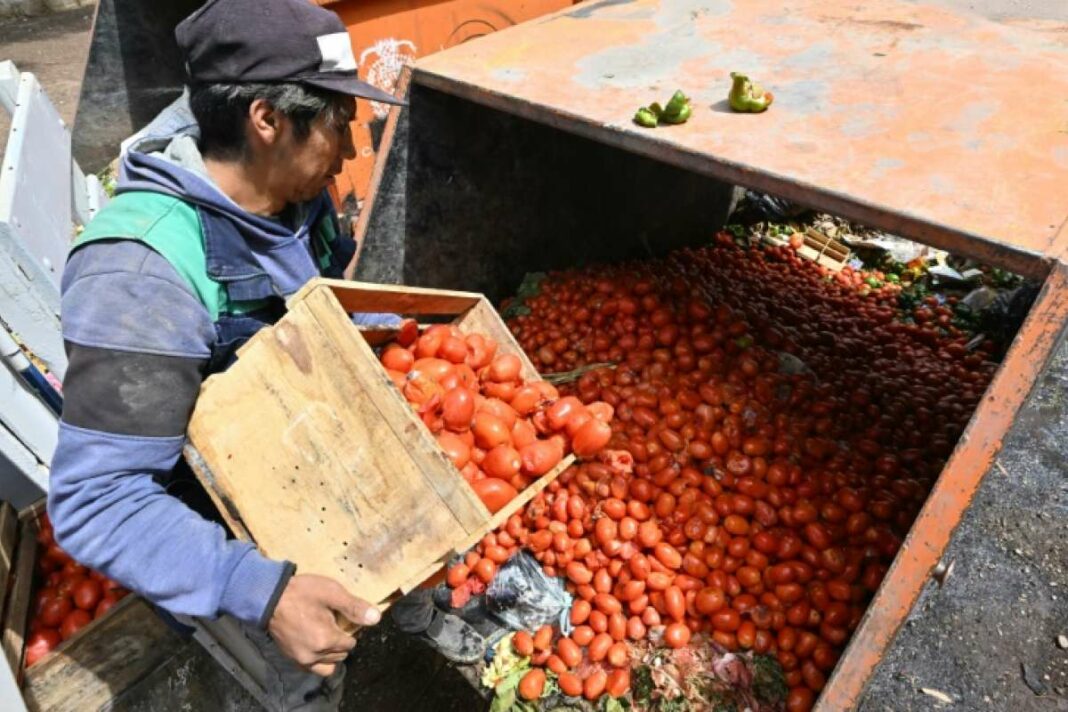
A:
(17, 608)
(226, 508)
(364, 297)
(483, 318)
(410, 432)
(106, 657)
(9, 529)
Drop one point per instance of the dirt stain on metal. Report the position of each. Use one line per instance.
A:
(587, 11)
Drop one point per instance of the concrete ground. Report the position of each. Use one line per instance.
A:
(53, 47)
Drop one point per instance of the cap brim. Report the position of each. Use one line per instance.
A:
(347, 84)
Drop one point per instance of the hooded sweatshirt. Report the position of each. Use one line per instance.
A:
(139, 340)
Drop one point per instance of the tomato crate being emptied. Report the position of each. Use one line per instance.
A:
(311, 452)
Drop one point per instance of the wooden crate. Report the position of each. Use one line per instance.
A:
(819, 248)
(311, 452)
(100, 661)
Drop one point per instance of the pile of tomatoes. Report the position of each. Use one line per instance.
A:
(757, 504)
(500, 431)
(68, 596)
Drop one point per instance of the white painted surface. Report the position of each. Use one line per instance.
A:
(35, 186)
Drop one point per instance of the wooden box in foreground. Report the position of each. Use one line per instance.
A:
(311, 452)
(96, 664)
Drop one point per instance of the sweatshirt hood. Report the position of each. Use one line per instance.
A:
(172, 165)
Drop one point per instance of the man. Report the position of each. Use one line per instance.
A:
(210, 231)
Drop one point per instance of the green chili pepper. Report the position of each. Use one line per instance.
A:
(679, 118)
(747, 96)
(677, 104)
(645, 117)
(677, 111)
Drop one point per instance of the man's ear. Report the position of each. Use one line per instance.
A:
(265, 122)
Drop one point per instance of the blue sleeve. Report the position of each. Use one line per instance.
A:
(138, 341)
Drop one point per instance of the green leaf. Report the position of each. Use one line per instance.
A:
(769, 682)
(642, 685)
(503, 700)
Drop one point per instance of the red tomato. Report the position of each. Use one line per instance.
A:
(505, 368)
(54, 610)
(677, 635)
(485, 570)
(494, 493)
(458, 408)
(562, 410)
(490, 431)
(532, 684)
(570, 684)
(107, 601)
(618, 682)
(539, 458)
(453, 349)
(87, 594)
(397, 358)
(543, 638)
(458, 575)
(455, 449)
(57, 555)
(40, 644)
(569, 652)
(523, 643)
(502, 462)
(75, 621)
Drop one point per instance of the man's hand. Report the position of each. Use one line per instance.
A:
(304, 624)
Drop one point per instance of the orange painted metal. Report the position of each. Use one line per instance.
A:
(387, 34)
(941, 126)
(952, 493)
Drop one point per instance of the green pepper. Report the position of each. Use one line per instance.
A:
(677, 104)
(679, 118)
(677, 111)
(645, 117)
(747, 96)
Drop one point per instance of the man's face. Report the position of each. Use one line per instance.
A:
(305, 167)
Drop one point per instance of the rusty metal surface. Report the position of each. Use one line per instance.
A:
(941, 126)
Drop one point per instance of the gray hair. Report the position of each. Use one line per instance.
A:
(222, 109)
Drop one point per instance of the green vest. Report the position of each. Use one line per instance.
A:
(172, 228)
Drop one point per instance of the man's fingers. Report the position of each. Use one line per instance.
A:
(323, 669)
(363, 613)
(342, 645)
(359, 612)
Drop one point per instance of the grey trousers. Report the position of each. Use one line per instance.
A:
(277, 682)
(291, 687)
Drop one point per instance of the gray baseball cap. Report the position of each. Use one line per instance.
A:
(235, 41)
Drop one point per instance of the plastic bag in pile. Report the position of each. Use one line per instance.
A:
(522, 597)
